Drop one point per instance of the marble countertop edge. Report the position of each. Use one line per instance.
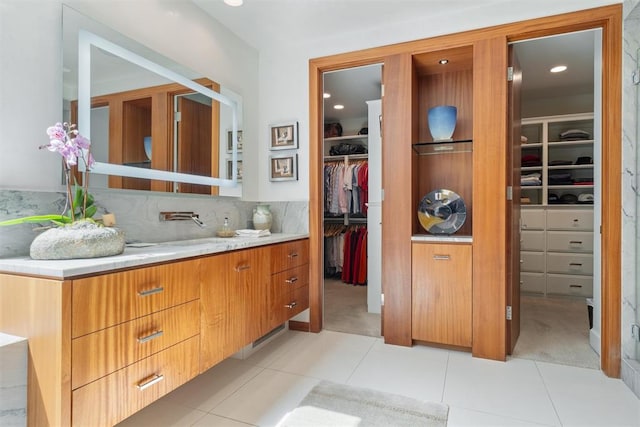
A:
(137, 256)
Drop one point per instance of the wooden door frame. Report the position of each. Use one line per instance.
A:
(606, 18)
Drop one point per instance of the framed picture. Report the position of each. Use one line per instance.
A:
(230, 141)
(283, 167)
(284, 136)
(230, 169)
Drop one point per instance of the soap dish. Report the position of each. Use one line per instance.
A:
(226, 233)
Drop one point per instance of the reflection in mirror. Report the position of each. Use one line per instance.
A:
(153, 125)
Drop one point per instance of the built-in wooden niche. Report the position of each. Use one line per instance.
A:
(438, 165)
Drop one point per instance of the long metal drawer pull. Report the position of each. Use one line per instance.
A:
(150, 337)
(291, 305)
(575, 286)
(441, 257)
(242, 267)
(152, 291)
(575, 264)
(156, 378)
(292, 280)
(575, 242)
(293, 255)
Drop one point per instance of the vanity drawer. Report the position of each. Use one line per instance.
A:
(532, 219)
(288, 255)
(532, 261)
(535, 283)
(567, 263)
(292, 279)
(570, 220)
(532, 241)
(100, 353)
(106, 300)
(113, 398)
(570, 241)
(568, 284)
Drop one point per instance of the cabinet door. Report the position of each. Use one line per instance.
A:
(234, 295)
(441, 293)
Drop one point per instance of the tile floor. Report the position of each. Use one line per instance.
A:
(261, 389)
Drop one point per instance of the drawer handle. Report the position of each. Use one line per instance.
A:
(293, 255)
(240, 268)
(292, 280)
(575, 264)
(441, 257)
(291, 305)
(148, 292)
(575, 220)
(575, 286)
(150, 337)
(156, 378)
(575, 242)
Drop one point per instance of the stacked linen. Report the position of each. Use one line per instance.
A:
(252, 233)
(531, 179)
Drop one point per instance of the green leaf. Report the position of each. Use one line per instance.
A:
(58, 219)
(91, 211)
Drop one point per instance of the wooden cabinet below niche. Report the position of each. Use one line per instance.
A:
(441, 293)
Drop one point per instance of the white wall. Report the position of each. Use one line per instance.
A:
(31, 73)
(284, 83)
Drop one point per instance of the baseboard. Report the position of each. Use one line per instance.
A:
(296, 325)
(594, 340)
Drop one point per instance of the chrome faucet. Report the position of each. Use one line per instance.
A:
(181, 216)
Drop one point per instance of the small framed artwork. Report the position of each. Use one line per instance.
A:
(283, 167)
(284, 136)
(230, 169)
(230, 141)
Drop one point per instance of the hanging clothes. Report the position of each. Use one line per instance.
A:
(346, 188)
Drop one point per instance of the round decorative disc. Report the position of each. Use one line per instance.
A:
(442, 212)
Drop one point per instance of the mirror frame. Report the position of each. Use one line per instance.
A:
(86, 40)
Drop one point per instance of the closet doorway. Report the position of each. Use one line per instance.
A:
(352, 166)
(560, 198)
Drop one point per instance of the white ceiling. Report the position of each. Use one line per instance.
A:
(268, 23)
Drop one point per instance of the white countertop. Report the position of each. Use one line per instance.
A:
(137, 256)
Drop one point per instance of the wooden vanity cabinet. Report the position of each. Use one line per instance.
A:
(441, 293)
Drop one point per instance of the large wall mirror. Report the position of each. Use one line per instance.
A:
(153, 124)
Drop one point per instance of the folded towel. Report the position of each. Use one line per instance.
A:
(252, 233)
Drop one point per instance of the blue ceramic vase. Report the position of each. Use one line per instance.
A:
(442, 122)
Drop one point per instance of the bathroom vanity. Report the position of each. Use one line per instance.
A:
(108, 336)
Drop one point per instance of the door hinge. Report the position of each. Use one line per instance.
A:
(509, 312)
(177, 116)
(381, 90)
(509, 74)
(382, 299)
(509, 193)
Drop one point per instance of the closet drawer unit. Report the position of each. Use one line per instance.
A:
(581, 220)
(533, 282)
(570, 241)
(532, 219)
(100, 353)
(108, 299)
(111, 399)
(532, 261)
(288, 255)
(567, 263)
(567, 284)
(532, 241)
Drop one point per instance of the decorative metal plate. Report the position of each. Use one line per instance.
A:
(442, 212)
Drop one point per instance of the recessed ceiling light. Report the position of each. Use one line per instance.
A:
(233, 2)
(443, 61)
(558, 68)
(326, 95)
(338, 107)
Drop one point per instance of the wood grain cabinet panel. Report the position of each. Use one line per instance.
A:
(113, 398)
(98, 354)
(108, 299)
(441, 293)
(289, 294)
(289, 255)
